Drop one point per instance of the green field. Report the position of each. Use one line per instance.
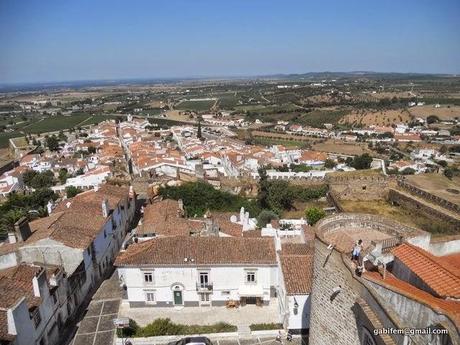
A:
(318, 118)
(56, 123)
(5, 137)
(195, 105)
(94, 120)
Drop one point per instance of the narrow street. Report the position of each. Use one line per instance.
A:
(96, 327)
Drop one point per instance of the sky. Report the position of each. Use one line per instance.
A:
(66, 40)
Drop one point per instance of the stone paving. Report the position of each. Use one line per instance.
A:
(246, 315)
(97, 328)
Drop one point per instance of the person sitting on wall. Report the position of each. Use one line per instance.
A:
(357, 251)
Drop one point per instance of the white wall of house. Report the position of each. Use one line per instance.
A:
(19, 323)
(229, 283)
(299, 318)
(8, 260)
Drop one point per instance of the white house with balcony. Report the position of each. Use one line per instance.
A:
(199, 271)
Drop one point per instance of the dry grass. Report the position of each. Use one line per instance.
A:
(379, 207)
(337, 146)
(298, 211)
(378, 118)
(444, 113)
(437, 184)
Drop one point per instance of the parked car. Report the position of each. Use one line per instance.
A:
(192, 341)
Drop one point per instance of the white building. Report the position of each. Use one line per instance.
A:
(193, 271)
(82, 236)
(296, 270)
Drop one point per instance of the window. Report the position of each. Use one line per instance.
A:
(148, 277)
(35, 316)
(250, 277)
(204, 279)
(150, 296)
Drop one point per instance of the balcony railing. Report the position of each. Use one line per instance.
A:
(204, 287)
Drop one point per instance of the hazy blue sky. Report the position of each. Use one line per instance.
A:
(89, 39)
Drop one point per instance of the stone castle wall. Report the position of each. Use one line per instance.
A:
(332, 320)
(414, 205)
(429, 197)
(360, 187)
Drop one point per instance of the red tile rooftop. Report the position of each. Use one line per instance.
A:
(437, 272)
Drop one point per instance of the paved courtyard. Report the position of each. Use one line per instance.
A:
(246, 315)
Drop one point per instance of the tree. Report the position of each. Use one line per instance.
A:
(28, 176)
(280, 196)
(262, 195)
(199, 136)
(408, 171)
(63, 175)
(314, 214)
(52, 143)
(38, 180)
(62, 136)
(442, 163)
(443, 149)
(329, 164)
(432, 119)
(71, 191)
(362, 162)
(265, 217)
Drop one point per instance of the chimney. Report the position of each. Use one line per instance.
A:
(180, 211)
(105, 208)
(49, 207)
(22, 229)
(12, 237)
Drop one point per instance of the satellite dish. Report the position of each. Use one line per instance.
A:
(233, 219)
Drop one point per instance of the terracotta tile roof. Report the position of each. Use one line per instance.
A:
(76, 222)
(6, 248)
(203, 250)
(5, 337)
(438, 273)
(297, 273)
(16, 283)
(296, 249)
(252, 233)
(447, 307)
(164, 218)
(222, 220)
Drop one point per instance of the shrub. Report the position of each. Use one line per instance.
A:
(198, 197)
(130, 331)
(314, 214)
(164, 326)
(362, 162)
(71, 191)
(265, 326)
(265, 217)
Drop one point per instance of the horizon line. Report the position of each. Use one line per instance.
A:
(213, 77)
